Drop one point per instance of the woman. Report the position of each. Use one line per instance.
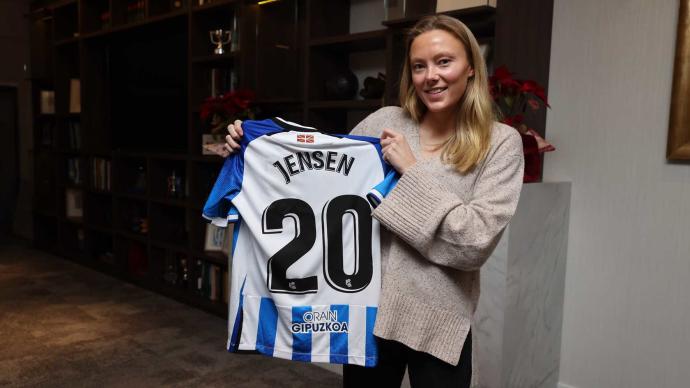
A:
(461, 176)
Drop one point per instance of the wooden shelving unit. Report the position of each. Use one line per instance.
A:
(142, 76)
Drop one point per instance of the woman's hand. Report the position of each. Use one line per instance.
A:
(396, 151)
(232, 140)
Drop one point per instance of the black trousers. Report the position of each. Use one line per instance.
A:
(424, 369)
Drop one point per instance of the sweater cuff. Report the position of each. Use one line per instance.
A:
(417, 200)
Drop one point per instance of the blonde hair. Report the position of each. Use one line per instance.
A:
(470, 142)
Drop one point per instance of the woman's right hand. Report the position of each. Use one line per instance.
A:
(232, 140)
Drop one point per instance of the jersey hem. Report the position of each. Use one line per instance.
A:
(288, 354)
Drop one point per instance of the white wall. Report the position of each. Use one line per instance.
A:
(627, 301)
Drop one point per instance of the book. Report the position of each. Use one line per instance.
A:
(74, 95)
(47, 105)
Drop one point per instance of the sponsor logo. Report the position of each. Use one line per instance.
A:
(320, 322)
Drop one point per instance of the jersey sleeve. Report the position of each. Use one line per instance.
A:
(218, 208)
(376, 194)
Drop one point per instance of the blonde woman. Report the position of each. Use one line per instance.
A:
(461, 176)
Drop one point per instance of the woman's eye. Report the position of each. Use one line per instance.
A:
(444, 62)
(417, 66)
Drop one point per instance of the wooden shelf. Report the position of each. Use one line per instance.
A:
(133, 196)
(137, 24)
(142, 238)
(179, 202)
(214, 257)
(215, 59)
(169, 246)
(66, 41)
(212, 5)
(363, 41)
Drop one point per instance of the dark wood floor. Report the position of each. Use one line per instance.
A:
(63, 325)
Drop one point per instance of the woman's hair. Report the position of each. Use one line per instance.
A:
(470, 142)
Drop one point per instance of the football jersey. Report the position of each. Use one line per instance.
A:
(305, 276)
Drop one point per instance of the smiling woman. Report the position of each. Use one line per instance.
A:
(461, 177)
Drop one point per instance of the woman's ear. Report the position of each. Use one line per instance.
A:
(471, 73)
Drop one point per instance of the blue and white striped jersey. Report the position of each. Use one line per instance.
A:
(305, 276)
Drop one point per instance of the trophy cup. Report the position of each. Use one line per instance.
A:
(219, 38)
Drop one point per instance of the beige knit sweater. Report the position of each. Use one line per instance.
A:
(444, 227)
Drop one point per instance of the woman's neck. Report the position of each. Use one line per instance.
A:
(437, 127)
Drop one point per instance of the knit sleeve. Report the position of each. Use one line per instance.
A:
(446, 230)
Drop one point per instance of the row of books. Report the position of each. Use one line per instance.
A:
(202, 277)
(212, 281)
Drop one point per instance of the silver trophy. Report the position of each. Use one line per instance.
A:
(220, 37)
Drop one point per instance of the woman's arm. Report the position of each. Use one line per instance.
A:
(446, 230)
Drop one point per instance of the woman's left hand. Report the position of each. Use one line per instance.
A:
(396, 151)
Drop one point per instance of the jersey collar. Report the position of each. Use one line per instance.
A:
(290, 126)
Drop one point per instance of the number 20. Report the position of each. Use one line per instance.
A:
(305, 237)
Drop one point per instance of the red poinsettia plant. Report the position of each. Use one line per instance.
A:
(516, 98)
(227, 107)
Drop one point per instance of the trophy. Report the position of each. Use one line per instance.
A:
(219, 38)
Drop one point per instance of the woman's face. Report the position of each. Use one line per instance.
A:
(440, 69)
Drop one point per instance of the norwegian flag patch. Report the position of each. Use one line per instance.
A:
(305, 138)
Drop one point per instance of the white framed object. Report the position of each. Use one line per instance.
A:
(452, 5)
(218, 239)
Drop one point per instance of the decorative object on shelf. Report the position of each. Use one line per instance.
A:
(140, 225)
(199, 275)
(218, 239)
(47, 105)
(74, 205)
(374, 87)
(452, 5)
(171, 272)
(183, 271)
(342, 85)
(175, 185)
(515, 98)
(74, 95)
(221, 111)
(678, 140)
(177, 4)
(220, 37)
